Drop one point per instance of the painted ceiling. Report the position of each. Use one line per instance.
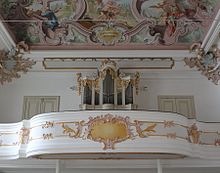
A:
(108, 24)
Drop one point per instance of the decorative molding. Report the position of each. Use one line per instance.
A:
(123, 134)
(194, 134)
(129, 54)
(208, 63)
(48, 125)
(115, 129)
(12, 63)
(47, 136)
(24, 136)
(28, 165)
(134, 63)
(109, 130)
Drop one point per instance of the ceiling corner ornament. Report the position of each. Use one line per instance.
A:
(208, 63)
(12, 63)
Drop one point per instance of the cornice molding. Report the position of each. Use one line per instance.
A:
(178, 54)
(33, 164)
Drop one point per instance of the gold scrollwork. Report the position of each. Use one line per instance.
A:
(73, 133)
(47, 125)
(24, 136)
(168, 124)
(112, 129)
(125, 83)
(193, 134)
(109, 35)
(109, 130)
(47, 136)
(147, 131)
(111, 72)
(86, 82)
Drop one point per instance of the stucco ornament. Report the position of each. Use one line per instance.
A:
(208, 63)
(194, 134)
(12, 63)
(109, 130)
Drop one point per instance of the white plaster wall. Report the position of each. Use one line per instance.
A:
(206, 94)
(36, 84)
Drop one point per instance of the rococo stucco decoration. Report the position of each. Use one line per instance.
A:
(208, 63)
(109, 130)
(116, 24)
(12, 63)
(80, 134)
(112, 129)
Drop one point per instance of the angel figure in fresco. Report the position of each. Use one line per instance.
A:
(170, 16)
(205, 5)
(50, 25)
(108, 9)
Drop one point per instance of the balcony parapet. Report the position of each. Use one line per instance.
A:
(109, 134)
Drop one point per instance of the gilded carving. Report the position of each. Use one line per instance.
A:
(95, 100)
(73, 133)
(137, 80)
(24, 136)
(109, 130)
(112, 129)
(108, 65)
(79, 83)
(47, 136)
(103, 73)
(168, 124)
(47, 125)
(108, 35)
(193, 134)
(86, 82)
(125, 83)
(147, 131)
(107, 61)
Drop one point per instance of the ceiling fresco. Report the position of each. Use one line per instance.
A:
(108, 24)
